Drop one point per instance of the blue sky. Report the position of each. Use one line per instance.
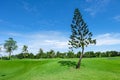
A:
(46, 23)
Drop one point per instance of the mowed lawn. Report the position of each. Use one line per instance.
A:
(60, 69)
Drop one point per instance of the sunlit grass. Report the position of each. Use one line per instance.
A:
(51, 69)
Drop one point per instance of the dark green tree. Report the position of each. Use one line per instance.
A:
(25, 51)
(51, 54)
(31, 56)
(89, 54)
(78, 54)
(70, 54)
(81, 37)
(10, 45)
(20, 56)
(98, 54)
(40, 54)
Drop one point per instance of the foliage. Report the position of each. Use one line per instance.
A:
(25, 51)
(70, 54)
(60, 55)
(51, 54)
(89, 54)
(40, 54)
(81, 37)
(10, 46)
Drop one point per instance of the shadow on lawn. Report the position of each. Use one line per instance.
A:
(68, 63)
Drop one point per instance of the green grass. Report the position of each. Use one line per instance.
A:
(60, 69)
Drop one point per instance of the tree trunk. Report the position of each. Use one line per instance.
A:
(79, 62)
(9, 55)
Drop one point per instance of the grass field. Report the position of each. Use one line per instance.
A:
(60, 69)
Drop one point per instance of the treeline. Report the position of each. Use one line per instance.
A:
(69, 54)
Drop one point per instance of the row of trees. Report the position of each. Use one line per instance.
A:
(52, 54)
(10, 46)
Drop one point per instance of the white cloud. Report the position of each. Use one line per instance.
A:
(117, 18)
(46, 40)
(58, 41)
(108, 39)
(28, 7)
(96, 6)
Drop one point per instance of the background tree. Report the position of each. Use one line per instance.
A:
(51, 54)
(70, 54)
(78, 54)
(10, 46)
(31, 56)
(20, 56)
(81, 37)
(25, 51)
(98, 54)
(89, 54)
(40, 54)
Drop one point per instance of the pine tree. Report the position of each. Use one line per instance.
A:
(81, 37)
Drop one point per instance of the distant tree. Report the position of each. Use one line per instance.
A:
(81, 37)
(0, 52)
(20, 56)
(78, 54)
(63, 55)
(31, 56)
(40, 53)
(10, 46)
(113, 53)
(58, 54)
(25, 51)
(70, 54)
(89, 54)
(98, 54)
(103, 54)
(51, 54)
(108, 54)
(118, 53)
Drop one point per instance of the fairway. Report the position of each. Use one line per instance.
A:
(60, 69)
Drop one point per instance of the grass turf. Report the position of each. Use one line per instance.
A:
(60, 69)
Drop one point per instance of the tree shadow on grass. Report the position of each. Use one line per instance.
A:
(68, 63)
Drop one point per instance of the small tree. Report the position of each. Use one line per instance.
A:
(51, 54)
(40, 53)
(25, 50)
(81, 37)
(70, 54)
(10, 46)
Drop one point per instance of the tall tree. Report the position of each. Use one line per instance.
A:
(81, 37)
(40, 53)
(25, 50)
(51, 54)
(10, 45)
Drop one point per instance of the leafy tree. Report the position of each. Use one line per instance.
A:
(103, 54)
(25, 51)
(81, 37)
(78, 54)
(20, 56)
(51, 54)
(89, 54)
(10, 46)
(60, 55)
(70, 54)
(31, 56)
(40, 54)
(98, 54)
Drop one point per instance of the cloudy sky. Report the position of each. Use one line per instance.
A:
(46, 23)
